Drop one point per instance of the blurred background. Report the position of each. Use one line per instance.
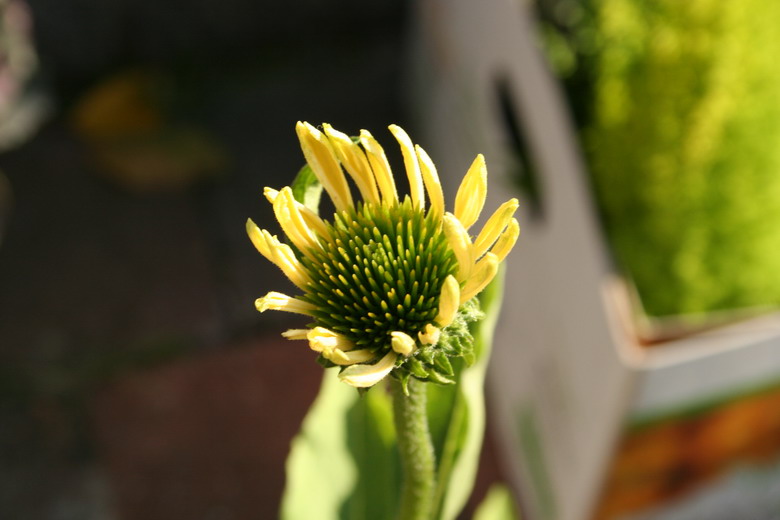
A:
(137, 381)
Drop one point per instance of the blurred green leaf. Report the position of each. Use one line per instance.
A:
(343, 464)
(498, 505)
(463, 427)
(307, 188)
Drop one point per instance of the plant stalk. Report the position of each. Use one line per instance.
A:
(416, 450)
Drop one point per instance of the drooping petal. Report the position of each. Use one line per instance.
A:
(507, 240)
(258, 239)
(402, 342)
(337, 348)
(380, 167)
(432, 183)
(494, 227)
(296, 334)
(350, 357)
(360, 356)
(321, 339)
(460, 244)
(412, 166)
(281, 302)
(320, 156)
(449, 301)
(484, 272)
(280, 254)
(471, 193)
(311, 218)
(292, 222)
(285, 259)
(363, 376)
(355, 162)
(429, 335)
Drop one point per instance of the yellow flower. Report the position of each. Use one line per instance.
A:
(390, 283)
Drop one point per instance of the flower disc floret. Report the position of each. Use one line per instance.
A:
(380, 269)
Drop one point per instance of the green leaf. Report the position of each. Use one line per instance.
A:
(344, 463)
(497, 505)
(371, 440)
(307, 188)
(457, 413)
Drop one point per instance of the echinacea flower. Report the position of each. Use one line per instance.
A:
(389, 282)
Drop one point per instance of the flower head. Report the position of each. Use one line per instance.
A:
(389, 282)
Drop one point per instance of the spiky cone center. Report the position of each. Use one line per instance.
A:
(379, 271)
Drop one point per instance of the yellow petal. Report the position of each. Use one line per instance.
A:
(311, 218)
(355, 162)
(336, 356)
(321, 339)
(363, 376)
(351, 357)
(472, 192)
(380, 167)
(507, 240)
(460, 243)
(430, 335)
(483, 273)
(412, 166)
(270, 194)
(494, 226)
(258, 239)
(296, 333)
(280, 254)
(432, 183)
(285, 259)
(292, 222)
(323, 162)
(449, 301)
(281, 302)
(402, 342)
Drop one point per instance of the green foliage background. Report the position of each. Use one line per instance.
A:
(678, 104)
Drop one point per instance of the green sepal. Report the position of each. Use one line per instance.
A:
(403, 378)
(417, 368)
(426, 355)
(436, 377)
(441, 362)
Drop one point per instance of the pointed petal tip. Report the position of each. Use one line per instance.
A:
(293, 334)
(261, 304)
(270, 194)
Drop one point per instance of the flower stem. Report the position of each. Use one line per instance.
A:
(416, 450)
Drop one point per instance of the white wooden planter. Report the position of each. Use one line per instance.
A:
(570, 385)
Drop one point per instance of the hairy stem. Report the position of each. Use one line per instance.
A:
(416, 449)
